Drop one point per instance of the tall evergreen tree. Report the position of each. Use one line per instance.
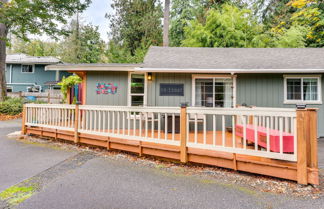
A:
(166, 23)
(135, 26)
(83, 45)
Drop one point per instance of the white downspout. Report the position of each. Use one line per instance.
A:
(57, 76)
(10, 74)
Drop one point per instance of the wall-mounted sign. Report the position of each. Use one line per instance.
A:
(106, 88)
(171, 89)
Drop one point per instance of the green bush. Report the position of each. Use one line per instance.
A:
(14, 106)
(11, 106)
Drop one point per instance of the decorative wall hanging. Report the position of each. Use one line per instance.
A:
(106, 88)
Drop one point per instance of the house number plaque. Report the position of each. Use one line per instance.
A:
(171, 89)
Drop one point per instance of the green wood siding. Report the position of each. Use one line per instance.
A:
(119, 78)
(154, 98)
(267, 90)
(262, 90)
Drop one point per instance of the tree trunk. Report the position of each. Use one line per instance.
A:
(166, 23)
(3, 39)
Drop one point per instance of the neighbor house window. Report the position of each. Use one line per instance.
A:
(9, 89)
(137, 89)
(303, 89)
(27, 68)
(213, 91)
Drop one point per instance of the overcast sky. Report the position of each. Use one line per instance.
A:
(95, 14)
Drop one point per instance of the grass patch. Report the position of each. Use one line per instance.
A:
(15, 195)
(241, 188)
(208, 181)
(159, 166)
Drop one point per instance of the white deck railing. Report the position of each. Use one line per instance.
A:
(134, 123)
(264, 132)
(271, 132)
(51, 116)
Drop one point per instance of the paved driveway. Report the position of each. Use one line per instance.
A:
(19, 160)
(82, 180)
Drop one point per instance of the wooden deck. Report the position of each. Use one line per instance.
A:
(252, 164)
(107, 127)
(169, 136)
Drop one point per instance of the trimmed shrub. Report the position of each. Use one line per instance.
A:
(11, 106)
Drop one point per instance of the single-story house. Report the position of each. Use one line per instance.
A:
(27, 73)
(210, 77)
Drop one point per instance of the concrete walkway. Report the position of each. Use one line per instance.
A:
(82, 180)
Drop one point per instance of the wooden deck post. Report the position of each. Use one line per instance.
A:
(24, 118)
(183, 134)
(49, 96)
(68, 95)
(312, 114)
(312, 147)
(302, 127)
(76, 124)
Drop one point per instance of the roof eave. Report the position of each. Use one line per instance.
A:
(33, 63)
(77, 68)
(195, 70)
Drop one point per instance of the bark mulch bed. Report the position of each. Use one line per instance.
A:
(9, 117)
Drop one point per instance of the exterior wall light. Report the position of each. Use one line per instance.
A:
(149, 76)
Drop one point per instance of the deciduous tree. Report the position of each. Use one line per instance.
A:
(228, 26)
(23, 17)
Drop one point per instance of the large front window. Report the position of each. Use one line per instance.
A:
(302, 89)
(137, 89)
(214, 92)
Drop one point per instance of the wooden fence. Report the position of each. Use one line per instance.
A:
(270, 141)
(50, 96)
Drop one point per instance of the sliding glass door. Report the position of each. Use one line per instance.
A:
(214, 92)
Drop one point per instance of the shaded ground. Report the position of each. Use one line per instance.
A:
(321, 154)
(74, 179)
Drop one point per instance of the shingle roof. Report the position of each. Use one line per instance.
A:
(26, 59)
(234, 58)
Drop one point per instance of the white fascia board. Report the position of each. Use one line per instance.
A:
(89, 68)
(232, 71)
(32, 63)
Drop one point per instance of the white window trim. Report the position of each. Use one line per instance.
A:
(27, 72)
(129, 100)
(10, 87)
(302, 101)
(199, 76)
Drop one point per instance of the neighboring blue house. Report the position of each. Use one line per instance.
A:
(27, 73)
